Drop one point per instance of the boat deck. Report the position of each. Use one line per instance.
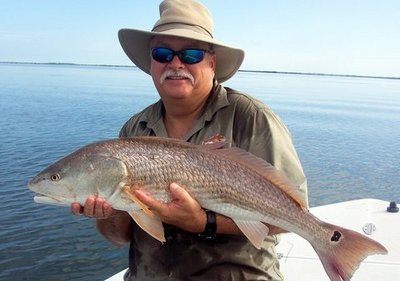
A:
(299, 261)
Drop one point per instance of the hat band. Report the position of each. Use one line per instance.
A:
(178, 25)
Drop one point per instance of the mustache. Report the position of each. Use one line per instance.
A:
(176, 73)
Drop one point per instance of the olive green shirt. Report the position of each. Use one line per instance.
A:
(245, 123)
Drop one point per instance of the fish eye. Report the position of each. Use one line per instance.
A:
(55, 177)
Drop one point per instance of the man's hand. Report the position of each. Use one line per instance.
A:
(186, 213)
(183, 211)
(112, 224)
(95, 207)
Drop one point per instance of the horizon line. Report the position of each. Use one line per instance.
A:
(240, 70)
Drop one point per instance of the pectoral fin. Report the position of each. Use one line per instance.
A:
(132, 196)
(151, 224)
(255, 231)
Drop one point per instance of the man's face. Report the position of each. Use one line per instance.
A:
(197, 79)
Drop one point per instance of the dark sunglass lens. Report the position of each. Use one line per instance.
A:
(188, 56)
(162, 55)
(191, 56)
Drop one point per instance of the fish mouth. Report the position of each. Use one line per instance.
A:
(42, 198)
(45, 199)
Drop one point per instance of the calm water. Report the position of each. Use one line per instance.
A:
(346, 131)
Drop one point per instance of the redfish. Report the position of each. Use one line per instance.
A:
(229, 181)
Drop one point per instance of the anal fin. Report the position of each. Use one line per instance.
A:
(255, 231)
(151, 224)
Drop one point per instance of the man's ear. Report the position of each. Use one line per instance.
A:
(213, 61)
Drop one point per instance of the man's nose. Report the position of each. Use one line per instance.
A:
(176, 62)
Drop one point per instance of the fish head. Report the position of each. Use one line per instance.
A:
(78, 176)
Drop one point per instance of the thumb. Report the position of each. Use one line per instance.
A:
(178, 192)
(148, 200)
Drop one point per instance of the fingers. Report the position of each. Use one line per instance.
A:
(150, 202)
(182, 211)
(95, 207)
(89, 207)
(178, 193)
(108, 210)
(76, 209)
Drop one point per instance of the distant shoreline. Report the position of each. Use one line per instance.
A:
(240, 70)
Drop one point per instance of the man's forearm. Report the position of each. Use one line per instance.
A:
(116, 228)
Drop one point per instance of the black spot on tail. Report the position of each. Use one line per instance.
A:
(336, 236)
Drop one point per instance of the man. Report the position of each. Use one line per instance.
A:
(187, 66)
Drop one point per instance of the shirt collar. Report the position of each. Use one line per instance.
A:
(218, 99)
(153, 117)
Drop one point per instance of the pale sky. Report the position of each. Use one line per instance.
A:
(339, 36)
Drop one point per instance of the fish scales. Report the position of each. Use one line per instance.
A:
(201, 170)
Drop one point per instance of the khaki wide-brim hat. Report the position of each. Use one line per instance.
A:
(186, 19)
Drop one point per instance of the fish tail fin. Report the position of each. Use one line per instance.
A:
(346, 250)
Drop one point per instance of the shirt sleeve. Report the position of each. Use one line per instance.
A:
(261, 132)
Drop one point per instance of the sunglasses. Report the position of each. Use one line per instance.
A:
(187, 56)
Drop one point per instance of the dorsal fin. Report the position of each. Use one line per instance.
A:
(266, 170)
(217, 140)
(214, 142)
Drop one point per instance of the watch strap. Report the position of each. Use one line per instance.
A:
(210, 230)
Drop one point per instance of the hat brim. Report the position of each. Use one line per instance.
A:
(136, 45)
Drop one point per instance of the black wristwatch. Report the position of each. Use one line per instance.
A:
(210, 231)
